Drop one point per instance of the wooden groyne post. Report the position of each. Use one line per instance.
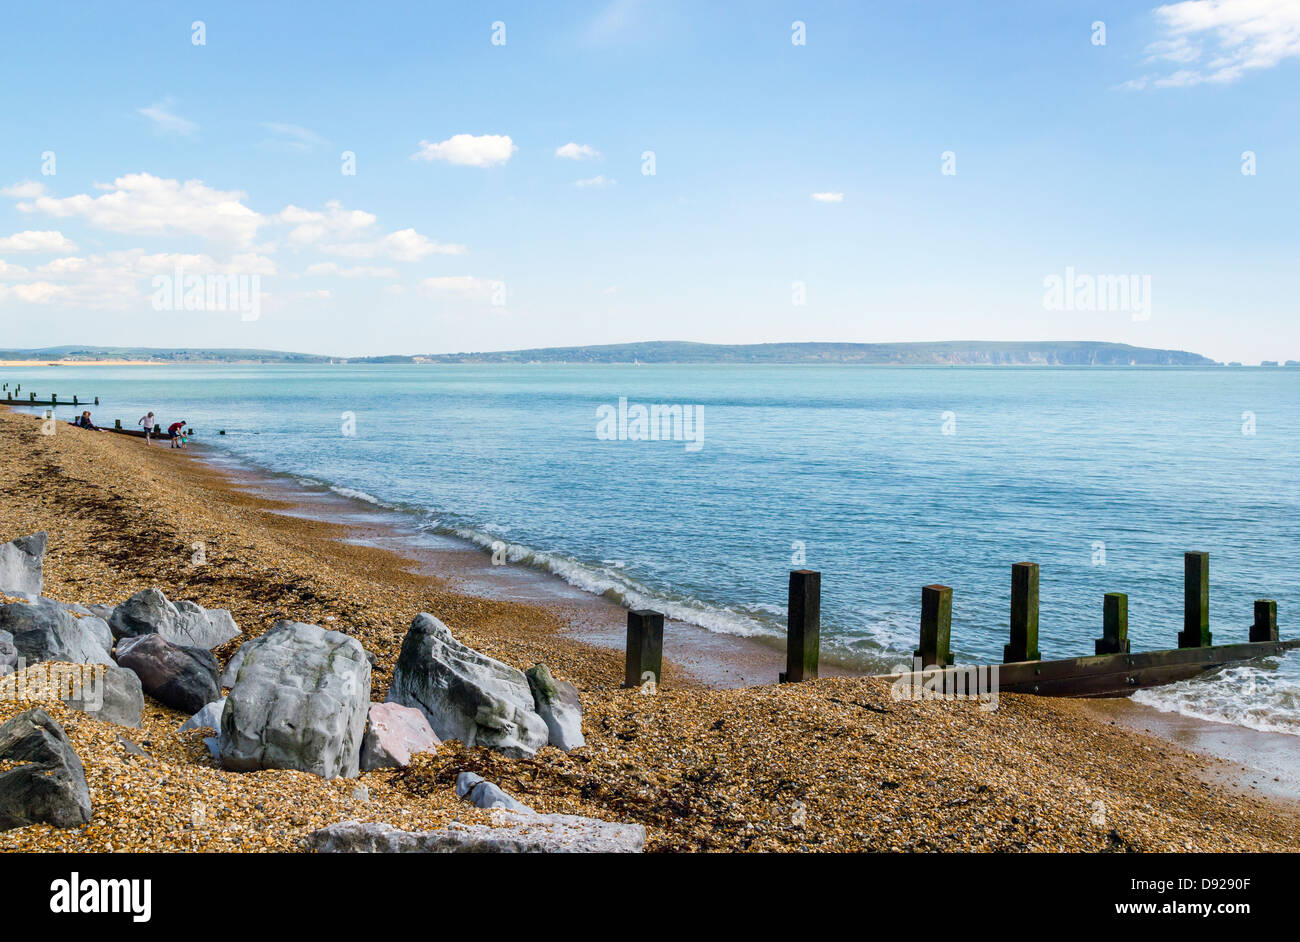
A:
(1024, 614)
(803, 627)
(1114, 625)
(645, 647)
(936, 626)
(1196, 601)
(1265, 627)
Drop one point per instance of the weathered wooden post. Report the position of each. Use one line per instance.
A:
(936, 626)
(117, 423)
(157, 429)
(803, 627)
(96, 400)
(1114, 626)
(1196, 601)
(645, 647)
(54, 399)
(74, 400)
(1024, 614)
(1265, 627)
(33, 397)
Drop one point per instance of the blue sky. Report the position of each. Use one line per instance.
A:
(1108, 160)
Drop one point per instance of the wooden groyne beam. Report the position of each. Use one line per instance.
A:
(54, 400)
(1118, 675)
(1113, 671)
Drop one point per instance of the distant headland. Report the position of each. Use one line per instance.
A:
(939, 353)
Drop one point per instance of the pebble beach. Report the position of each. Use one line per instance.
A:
(829, 765)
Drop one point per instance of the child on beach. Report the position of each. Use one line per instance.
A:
(146, 423)
(174, 433)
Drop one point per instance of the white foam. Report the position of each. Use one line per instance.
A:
(1262, 695)
(612, 583)
(354, 494)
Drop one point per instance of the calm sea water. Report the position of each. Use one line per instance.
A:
(887, 479)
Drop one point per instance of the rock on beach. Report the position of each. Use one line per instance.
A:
(184, 623)
(47, 783)
(46, 631)
(21, 565)
(183, 678)
(557, 703)
(510, 833)
(300, 701)
(393, 734)
(466, 695)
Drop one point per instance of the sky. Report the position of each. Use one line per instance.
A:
(361, 179)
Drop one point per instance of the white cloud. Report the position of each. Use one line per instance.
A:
(465, 287)
(62, 266)
(165, 119)
(358, 271)
(119, 280)
(26, 190)
(405, 245)
(40, 292)
(311, 226)
(143, 203)
(485, 150)
(575, 151)
(34, 241)
(828, 197)
(1241, 36)
(598, 182)
(292, 137)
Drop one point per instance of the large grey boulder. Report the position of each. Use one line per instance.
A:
(393, 734)
(207, 718)
(45, 631)
(184, 623)
(557, 703)
(21, 564)
(299, 701)
(511, 833)
(43, 781)
(92, 621)
(179, 677)
(465, 695)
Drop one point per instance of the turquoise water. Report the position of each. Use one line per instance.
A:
(1104, 477)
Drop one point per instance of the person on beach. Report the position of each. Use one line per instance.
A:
(83, 421)
(146, 423)
(174, 433)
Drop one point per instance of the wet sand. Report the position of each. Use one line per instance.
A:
(1246, 760)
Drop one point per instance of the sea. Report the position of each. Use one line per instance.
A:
(694, 489)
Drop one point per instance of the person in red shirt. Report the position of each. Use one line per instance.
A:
(174, 433)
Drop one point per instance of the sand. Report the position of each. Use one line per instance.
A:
(835, 764)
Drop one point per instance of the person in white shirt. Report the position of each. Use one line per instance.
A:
(147, 423)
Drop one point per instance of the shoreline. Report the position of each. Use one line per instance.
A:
(714, 659)
(834, 764)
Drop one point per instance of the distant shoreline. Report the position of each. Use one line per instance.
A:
(83, 363)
